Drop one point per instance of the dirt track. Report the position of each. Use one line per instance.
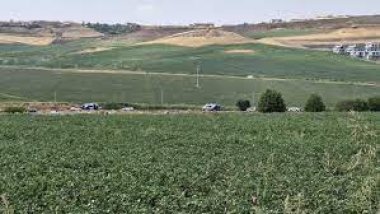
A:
(126, 72)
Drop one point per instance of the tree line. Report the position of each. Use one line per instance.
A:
(113, 29)
(272, 101)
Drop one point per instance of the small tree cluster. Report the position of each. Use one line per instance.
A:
(315, 104)
(114, 29)
(243, 105)
(114, 106)
(358, 105)
(15, 110)
(271, 101)
(374, 103)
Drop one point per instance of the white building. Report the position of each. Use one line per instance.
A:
(369, 51)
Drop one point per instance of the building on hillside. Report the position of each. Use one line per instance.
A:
(202, 25)
(369, 51)
(277, 21)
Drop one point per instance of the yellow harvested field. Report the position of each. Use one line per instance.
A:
(243, 51)
(344, 35)
(15, 39)
(204, 37)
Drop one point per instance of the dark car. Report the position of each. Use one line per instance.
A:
(90, 106)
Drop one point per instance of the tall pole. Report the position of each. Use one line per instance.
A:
(198, 70)
(162, 97)
(253, 99)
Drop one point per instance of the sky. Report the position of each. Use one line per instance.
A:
(169, 12)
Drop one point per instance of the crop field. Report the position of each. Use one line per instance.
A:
(256, 59)
(227, 163)
(77, 86)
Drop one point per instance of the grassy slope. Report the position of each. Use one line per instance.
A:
(268, 61)
(80, 87)
(191, 164)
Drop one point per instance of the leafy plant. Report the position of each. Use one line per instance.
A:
(178, 164)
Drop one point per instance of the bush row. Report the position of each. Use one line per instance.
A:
(272, 101)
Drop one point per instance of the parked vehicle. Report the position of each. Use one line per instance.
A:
(90, 106)
(128, 109)
(32, 110)
(211, 107)
(294, 109)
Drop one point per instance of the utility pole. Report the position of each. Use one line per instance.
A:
(55, 97)
(162, 96)
(198, 71)
(253, 99)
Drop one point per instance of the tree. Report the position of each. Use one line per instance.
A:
(243, 105)
(374, 103)
(315, 104)
(271, 101)
(358, 105)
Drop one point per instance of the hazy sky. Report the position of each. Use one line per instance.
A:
(180, 11)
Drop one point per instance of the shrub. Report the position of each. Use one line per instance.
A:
(374, 104)
(14, 110)
(271, 101)
(315, 104)
(114, 106)
(243, 105)
(352, 105)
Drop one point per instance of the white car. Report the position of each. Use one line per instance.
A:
(294, 109)
(128, 109)
(211, 107)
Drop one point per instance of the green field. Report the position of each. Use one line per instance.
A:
(42, 85)
(301, 163)
(266, 61)
(305, 72)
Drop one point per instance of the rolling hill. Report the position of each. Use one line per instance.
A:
(233, 62)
